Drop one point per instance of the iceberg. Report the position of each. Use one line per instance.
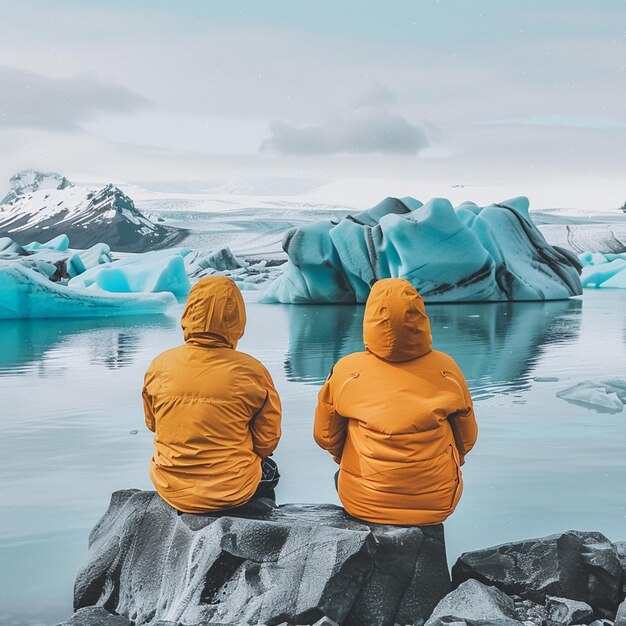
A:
(468, 253)
(606, 396)
(60, 243)
(151, 272)
(607, 271)
(54, 259)
(25, 293)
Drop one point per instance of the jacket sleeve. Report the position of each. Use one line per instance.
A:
(330, 428)
(463, 421)
(265, 425)
(147, 401)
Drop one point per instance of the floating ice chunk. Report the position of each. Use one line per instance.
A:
(8, 247)
(151, 272)
(603, 270)
(60, 243)
(470, 253)
(222, 259)
(25, 293)
(96, 255)
(608, 396)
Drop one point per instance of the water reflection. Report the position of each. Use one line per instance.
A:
(112, 342)
(496, 345)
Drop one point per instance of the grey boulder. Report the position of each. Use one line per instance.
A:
(259, 565)
(473, 603)
(583, 566)
(95, 616)
(564, 612)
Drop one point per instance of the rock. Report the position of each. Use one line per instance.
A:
(529, 612)
(566, 612)
(620, 618)
(601, 622)
(325, 621)
(259, 565)
(583, 566)
(95, 616)
(475, 603)
(620, 547)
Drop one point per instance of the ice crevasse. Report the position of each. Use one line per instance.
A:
(450, 254)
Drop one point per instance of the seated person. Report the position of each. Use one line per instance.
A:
(214, 411)
(398, 418)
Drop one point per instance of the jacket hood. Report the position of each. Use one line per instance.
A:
(215, 315)
(395, 326)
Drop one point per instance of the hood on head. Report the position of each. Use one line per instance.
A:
(215, 314)
(395, 326)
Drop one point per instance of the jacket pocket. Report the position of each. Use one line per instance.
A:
(458, 488)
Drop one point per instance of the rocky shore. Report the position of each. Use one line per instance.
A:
(313, 564)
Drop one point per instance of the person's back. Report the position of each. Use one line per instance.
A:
(214, 410)
(397, 417)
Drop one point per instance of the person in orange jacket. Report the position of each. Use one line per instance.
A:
(214, 410)
(397, 418)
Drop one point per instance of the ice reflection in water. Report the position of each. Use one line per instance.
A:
(42, 344)
(70, 399)
(495, 344)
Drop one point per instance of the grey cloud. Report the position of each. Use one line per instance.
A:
(32, 100)
(365, 130)
(375, 95)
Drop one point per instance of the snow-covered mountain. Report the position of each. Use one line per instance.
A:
(42, 206)
(28, 181)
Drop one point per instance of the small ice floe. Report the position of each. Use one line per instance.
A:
(546, 379)
(606, 271)
(607, 396)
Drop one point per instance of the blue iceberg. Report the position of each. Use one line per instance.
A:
(607, 271)
(150, 272)
(25, 293)
(468, 253)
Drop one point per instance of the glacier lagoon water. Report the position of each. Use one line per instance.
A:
(73, 432)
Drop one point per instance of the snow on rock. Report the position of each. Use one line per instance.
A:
(150, 272)
(86, 215)
(467, 253)
(579, 565)
(28, 181)
(260, 564)
(25, 293)
(607, 271)
(605, 397)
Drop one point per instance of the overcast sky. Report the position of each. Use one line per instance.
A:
(459, 91)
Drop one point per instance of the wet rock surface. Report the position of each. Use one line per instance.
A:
(582, 566)
(564, 612)
(314, 565)
(296, 564)
(475, 603)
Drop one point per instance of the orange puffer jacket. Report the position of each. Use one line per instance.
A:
(214, 410)
(397, 417)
